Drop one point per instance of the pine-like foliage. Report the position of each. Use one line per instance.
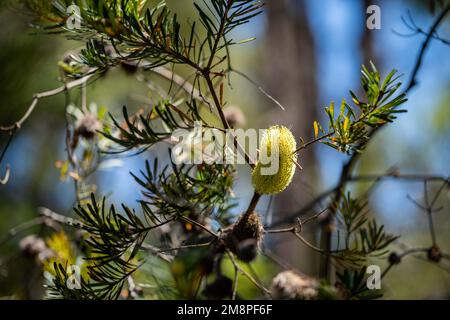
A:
(184, 217)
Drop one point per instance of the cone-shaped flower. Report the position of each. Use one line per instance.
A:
(276, 163)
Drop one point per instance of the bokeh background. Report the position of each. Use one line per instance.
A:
(307, 53)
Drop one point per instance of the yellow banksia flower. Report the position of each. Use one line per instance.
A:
(281, 178)
(60, 245)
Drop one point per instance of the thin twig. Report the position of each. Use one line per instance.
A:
(5, 178)
(190, 246)
(21, 228)
(424, 47)
(402, 255)
(259, 87)
(219, 35)
(429, 211)
(59, 218)
(307, 144)
(18, 124)
(357, 179)
(13, 128)
(246, 274)
(189, 220)
(178, 80)
(235, 283)
(155, 251)
(348, 167)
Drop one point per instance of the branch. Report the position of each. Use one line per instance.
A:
(219, 35)
(179, 81)
(258, 86)
(348, 167)
(190, 246)
(13, 128)
(318, 139)
(425, 45)
(18, 124)
(357, 179)
(13, 232)
(59, 218)
(170, 76)
(155, 251)
(224, 120)
(246, 274)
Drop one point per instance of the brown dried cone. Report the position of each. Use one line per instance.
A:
(247, 250)
(434, 254)
(244, 237)
(293, 286)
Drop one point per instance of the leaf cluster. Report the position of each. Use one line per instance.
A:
(113, 243)
(349, 129)
(141, 131)
(354, 284)
(364, 238)
(117, 31)
(187, 190)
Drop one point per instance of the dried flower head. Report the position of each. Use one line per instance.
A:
(290, 285)
(235, 117)
(247, 250)
(277, 182)
(34, 247)
(87, 126)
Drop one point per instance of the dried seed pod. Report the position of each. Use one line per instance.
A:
(247, 250)
(434, 254)
(394, 258)
(278, 144)
(248, 226)
(244, 237)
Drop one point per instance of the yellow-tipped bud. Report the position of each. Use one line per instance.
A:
(279, 145)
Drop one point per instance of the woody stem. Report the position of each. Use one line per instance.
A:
(253, 203)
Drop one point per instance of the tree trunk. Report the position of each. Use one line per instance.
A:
(290, 65)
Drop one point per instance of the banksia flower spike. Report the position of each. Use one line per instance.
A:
(278, 140)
